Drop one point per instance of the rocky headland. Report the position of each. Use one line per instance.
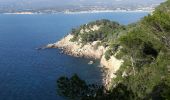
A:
(90, 50)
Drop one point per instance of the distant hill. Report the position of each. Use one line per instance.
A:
(60, 3)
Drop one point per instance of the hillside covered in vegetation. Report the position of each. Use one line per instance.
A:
(145, 49)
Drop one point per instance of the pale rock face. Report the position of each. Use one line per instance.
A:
(95, 28)
(92, 28)
(90, 51)
(76, 49)
(124, 74)
(50, 45)
(112, 64)
(81, 31)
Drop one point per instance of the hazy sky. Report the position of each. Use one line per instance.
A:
(77, 0)
(39, 3)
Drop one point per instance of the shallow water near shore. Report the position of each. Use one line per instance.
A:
(30, 74)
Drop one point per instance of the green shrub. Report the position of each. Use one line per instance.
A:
(108, 53)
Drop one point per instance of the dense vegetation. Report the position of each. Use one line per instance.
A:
(107, 31)
(146, 52)
(145, 49)
(77, 89)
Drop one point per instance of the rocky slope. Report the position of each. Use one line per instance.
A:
(145, 49)
(89, 50)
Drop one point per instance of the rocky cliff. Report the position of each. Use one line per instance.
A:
(89, 50)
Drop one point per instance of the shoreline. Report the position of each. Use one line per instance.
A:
(89, 51)
(81, 12)
(108, 11)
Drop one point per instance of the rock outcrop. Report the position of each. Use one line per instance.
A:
(90, 50)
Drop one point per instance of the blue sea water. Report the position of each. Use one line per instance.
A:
(30, 74)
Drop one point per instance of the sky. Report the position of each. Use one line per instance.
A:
(53, 3)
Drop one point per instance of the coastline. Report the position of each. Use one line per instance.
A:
(90, 51)
(107, 11)
(21, 13)
(80, 12)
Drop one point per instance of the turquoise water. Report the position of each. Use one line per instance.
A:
(29, 74)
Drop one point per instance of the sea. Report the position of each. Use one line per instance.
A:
(30, 74)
